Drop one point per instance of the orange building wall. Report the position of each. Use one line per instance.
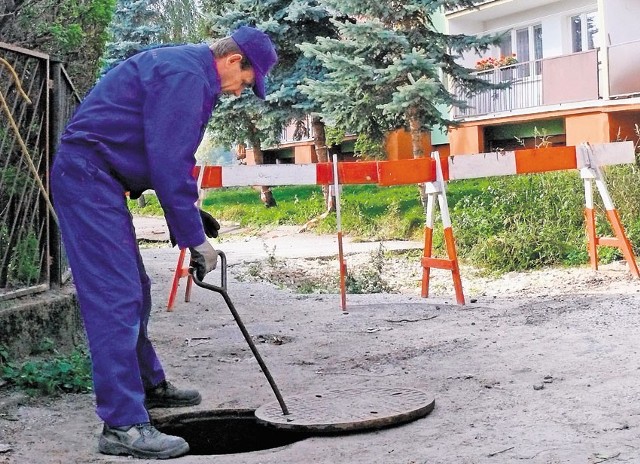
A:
(398, 145)
(305, 154)
(250, 159)
(592, 128)
(443, 150)
(466, 140)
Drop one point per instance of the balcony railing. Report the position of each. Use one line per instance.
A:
(562, 79)
(524, 91)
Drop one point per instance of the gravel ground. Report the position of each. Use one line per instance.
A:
(537, 367)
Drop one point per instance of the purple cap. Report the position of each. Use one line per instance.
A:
(260, 52)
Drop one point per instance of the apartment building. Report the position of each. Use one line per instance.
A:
(573, 66)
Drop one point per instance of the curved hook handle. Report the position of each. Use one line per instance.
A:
(223, 276)
(222, 289)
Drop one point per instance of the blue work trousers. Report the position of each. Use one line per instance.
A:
(114, 291)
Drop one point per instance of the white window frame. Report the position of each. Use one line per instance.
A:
(530, 28)
(584, 31)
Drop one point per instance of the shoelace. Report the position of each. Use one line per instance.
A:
(147, 430)
(166, 387)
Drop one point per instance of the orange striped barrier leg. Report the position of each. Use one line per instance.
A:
(437, 190)
(426, 255)
(592, 172)
(622, 241)
(343, 274)
(341, 261)
(181, 271)
(592, 238)
(590, 218)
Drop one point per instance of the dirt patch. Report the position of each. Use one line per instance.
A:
(538, 367)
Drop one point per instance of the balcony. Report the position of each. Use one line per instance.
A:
(485, 10)
(551, 81)
(558, 80)
(624, 69)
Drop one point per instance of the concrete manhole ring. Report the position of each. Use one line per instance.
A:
(347, 410)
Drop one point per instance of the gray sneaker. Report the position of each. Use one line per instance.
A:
(165, 395)
(141, 441)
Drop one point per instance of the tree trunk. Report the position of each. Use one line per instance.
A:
(322, 152)
(266, 195)
(415, 130)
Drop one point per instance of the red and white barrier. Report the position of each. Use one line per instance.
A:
(590, 160)
(437, 191)
(435, 172)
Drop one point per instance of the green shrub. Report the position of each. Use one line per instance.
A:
(50, 375)
(24, 268)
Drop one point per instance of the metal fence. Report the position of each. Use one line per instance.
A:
(31, 257)
(524, 91)
(551, 81)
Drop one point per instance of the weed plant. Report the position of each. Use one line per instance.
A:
(369, 278)
(49, 374)
(24, 268)
(523, 222)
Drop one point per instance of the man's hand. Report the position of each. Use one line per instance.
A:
(204, 259)
(209, 224)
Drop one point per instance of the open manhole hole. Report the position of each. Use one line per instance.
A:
(334, 412)
(226, 431)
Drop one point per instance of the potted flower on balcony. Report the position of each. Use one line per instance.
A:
(504, 63)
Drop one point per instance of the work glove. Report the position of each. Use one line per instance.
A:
(204, 259)
(209, 224)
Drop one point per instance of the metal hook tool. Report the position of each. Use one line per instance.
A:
(222, 290)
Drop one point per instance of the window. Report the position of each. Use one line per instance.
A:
(528, 42)
(523, 45)
(506, 49)
(584, 32)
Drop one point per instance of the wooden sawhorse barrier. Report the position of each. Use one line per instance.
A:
(434, 172)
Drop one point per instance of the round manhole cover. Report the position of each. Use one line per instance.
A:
(348, 410)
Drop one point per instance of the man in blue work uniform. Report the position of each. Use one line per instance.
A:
(138, 129)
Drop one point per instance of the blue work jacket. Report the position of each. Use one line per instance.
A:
(143, 122)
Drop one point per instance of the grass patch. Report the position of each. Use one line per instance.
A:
(501, 224)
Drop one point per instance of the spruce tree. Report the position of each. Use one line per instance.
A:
(180, 21)
(390, 66)
(134, 27)
(288, 22)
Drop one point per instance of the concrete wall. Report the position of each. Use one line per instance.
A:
(26, 322)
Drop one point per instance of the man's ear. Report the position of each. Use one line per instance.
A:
(234, 58)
